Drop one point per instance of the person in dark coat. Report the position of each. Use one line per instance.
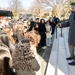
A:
(71, 38)
(56, 20)
(32, 23)
(36, 27)
(42, 31)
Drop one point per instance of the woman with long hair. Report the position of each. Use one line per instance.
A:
(24, 60)
(42, 31)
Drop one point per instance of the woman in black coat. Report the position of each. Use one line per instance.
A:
(42, 31)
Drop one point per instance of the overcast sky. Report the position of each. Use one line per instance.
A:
(25, 3)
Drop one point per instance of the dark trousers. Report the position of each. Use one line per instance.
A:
(43, 40)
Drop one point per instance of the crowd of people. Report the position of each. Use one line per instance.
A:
(19, 42)
(44, 27)
(21, 39)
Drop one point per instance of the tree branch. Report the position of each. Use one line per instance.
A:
(48, 3)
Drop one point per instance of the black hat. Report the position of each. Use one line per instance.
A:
(73, 3)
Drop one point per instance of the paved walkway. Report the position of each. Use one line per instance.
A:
(58, 65)
(44, 55)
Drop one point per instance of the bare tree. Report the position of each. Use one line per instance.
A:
(15, 5)
(37, 8)
(67, 8)
(56, 5)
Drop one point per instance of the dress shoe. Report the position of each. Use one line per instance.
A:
(72, 63)
(69, 58)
